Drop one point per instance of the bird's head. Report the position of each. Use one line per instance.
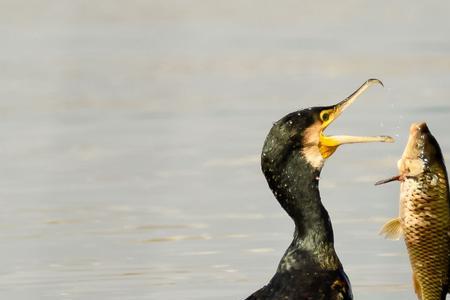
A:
(302, 133)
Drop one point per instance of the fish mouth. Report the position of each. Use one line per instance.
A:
(415, 156)
(329, 144)
(416, 140)
(418, 128)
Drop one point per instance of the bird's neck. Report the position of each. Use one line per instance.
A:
(296, 187)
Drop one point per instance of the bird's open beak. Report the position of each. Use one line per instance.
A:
(329, 144)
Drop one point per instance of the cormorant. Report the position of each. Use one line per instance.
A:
(292, 159)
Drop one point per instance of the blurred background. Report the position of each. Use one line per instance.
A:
(131, 133)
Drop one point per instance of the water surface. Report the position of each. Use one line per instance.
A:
(131, 134)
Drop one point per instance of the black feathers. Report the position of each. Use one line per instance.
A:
(310, 268)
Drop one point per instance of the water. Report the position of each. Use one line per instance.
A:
(131, 134)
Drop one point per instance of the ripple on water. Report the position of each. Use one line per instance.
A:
(261, 250)
(171, 226)
(176, 238)
(391, 254)
(62, 221)
(200, 253)
(383, 287)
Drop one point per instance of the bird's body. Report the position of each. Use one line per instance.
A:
(329, 285)
(292, 159)
(424, 217)
(310, 268)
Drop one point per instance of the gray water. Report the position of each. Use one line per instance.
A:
(130, 134)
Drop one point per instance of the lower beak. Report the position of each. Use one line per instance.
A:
(329, 144)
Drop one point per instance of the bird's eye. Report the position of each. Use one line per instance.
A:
(325, 117)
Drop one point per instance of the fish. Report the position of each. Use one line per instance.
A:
(424, 213)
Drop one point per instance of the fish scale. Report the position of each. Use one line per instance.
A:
(425, 222)
(424, 213)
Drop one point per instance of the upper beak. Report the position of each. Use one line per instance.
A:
(329, 144)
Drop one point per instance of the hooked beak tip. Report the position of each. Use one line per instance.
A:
(373, 81)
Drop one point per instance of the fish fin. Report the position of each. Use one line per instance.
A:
(417, 287)
(392, 229)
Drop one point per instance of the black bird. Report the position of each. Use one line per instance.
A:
(292, 159)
